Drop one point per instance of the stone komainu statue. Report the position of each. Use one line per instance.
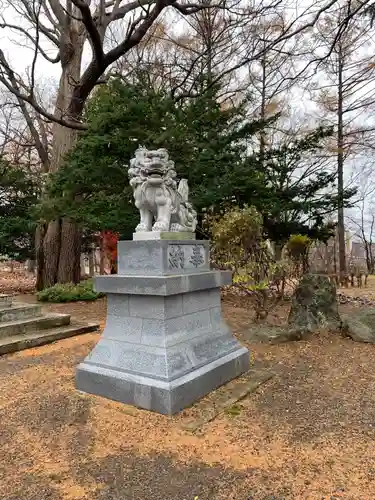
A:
(153, 179)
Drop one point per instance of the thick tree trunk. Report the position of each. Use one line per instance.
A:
(39, 255)
(92, 262)
(51, 253)
(69, 266)
(59, 255)
(30, 266)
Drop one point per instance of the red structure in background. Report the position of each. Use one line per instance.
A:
(108, 246)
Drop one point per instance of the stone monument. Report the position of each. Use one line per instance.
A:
(165, 343)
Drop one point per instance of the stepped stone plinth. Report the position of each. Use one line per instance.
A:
(165, 343)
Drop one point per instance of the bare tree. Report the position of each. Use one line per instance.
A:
(362, 222)
(27, 140)
(211, 41)
(346, 92)
(69, 26)
(152, 60)
(273, 76)
(24, 134)
(186, 63)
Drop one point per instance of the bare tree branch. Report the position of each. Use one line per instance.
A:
(29, 14)
(94, 35)
(136, 35)
(33, 40)
(58, 11)
(12, 85)
(119, 12)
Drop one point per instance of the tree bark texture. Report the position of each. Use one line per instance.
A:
(39, 255)
(60, 251)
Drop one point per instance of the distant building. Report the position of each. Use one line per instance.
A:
(325, 257)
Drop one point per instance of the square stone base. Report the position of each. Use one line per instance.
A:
(165, 343)
(158, 395)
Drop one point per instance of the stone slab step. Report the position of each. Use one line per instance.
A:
(16, 343)
(21, 327)
(5, 300)
(19, 311)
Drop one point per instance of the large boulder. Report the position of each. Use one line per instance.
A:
(314, 305)
(359, 327)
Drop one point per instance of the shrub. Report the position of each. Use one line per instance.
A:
(238, 244)
(298, 248)
(69, 292)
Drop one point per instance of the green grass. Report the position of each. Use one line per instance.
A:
(233, 411)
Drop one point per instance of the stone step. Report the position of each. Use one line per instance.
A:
(22, 327)
(19, 311)
(5, 300)
(16, 343)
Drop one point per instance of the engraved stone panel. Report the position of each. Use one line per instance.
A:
(153, 332)
(176, 257)
(151, 307)
(197, 256)
(187, 256)
(143, 259)
(139, 361)
(195, 323)
(100, 354)
(150, 361)
(211, 348)
(201, 300)
(124, 328)
(178, 364)
(162, 257)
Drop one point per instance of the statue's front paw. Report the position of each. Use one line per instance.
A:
(160, 226)
(141, 228)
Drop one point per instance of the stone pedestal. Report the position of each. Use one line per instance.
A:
(165, 344)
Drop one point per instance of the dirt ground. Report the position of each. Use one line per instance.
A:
(308, 433)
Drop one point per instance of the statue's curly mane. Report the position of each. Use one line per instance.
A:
(144, 164)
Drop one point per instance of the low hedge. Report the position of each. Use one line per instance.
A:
(69, 292)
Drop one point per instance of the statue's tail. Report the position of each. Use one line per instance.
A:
(183, 189)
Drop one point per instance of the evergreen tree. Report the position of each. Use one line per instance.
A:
(206, 142)
(301, 192)
(18, 199)
(212, 147)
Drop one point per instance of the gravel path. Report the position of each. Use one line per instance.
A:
(306, 434)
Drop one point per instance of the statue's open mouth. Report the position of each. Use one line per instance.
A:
(155, 172)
